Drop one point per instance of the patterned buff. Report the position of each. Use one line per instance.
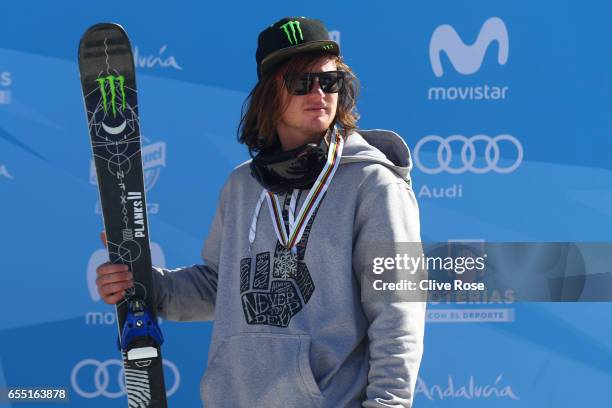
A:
(290, 238)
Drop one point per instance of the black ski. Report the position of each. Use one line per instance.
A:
(108, 79)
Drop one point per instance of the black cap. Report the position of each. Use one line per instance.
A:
(290, 36)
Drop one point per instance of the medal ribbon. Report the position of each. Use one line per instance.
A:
(297, 224)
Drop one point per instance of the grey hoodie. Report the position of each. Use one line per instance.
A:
(294, 332)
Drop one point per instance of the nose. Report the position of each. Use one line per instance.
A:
(316, 88)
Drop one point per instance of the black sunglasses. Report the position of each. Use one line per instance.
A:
(301, 84)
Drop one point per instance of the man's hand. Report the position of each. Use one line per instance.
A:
(113, 279)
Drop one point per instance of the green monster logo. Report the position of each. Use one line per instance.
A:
(292, 36)
(113, 93)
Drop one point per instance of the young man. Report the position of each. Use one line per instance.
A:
(283, 258)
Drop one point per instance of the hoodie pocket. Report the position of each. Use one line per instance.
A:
(261, 370)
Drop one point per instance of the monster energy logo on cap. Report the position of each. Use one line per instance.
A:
(295, 28)
(111, 79)
(288, 37)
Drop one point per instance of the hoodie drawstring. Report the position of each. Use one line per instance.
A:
(262, 197)
(253, 229)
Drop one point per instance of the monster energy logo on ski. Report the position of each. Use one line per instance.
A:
(295, 28)
(112, 82)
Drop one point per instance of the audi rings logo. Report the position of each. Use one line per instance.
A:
(91, 378)
(471, 149)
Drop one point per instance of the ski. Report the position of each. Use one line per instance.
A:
(108, 79)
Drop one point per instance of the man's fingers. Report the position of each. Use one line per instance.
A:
(114, 277)
(112, 288)
(112, 281)
(108, 268)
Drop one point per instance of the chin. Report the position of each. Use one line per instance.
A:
(321, 124)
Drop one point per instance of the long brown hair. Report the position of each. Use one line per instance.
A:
(263, 108)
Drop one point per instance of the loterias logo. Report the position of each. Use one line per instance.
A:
(161, 60)
(470, 390)
(467, 60)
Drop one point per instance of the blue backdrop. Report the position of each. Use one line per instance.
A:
(505, 105)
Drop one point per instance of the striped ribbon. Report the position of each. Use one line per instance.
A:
(298, 223)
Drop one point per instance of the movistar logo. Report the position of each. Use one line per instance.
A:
(295, 29)
(467, 59)
(112, 82)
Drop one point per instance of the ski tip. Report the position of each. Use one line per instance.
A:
(98, 31)
(98, 37)
(105, 26)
